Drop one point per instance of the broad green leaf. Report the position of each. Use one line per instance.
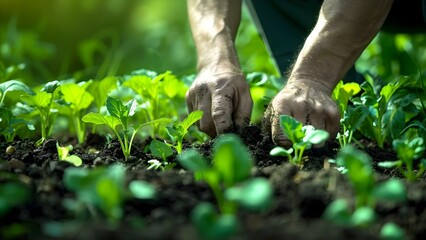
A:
(116, 108)
(74, 159)
(101, 89)
(192, 160)
(360, 170)
(192, 118)
(394, 122)
(391, 190)
(231, 159)
(160, 149)
(99, 119)
(142, 85)
(292, 128)
(41, 99)
(77, 96)
(211, 225)
(173, 87)
(363, 216)
(142, 189)
(279, 151)
(315, 136)
(337, 212)
(391, 231)
(14, 85)
(254, 194)
(110, 196)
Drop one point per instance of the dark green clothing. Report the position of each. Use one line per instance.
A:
(285, 24)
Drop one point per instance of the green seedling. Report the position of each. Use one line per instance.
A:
(356, 165)
(119, 115)
(408, 152)
(177, 131)
(161, 150)
(161, 95)
(44, 102)
(102, 191)
(350, 117)
(63, 154)
(229, 179)
(9, 124)
(302, 138)
(76, 100)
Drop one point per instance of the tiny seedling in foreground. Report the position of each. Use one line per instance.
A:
(229, 179)
(302, 138)
(356, 165)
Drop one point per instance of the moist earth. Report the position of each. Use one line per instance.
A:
(300, 194)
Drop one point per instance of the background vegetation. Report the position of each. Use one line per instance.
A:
(91, 39)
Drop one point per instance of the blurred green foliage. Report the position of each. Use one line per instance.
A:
(97, 38)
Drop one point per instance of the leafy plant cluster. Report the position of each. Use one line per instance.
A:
(150, 100)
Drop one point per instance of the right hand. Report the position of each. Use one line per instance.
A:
(225, 100)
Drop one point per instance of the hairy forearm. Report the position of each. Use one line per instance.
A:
(343, 31)
(214, 25)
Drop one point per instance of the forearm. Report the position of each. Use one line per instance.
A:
(214, 25)
(343, 31)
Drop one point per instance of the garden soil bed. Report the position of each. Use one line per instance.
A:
(300, 195)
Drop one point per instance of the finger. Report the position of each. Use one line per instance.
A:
(332, 123)
(277, 132)
(244, 106)
(206, 124)
(222, 109)
(189, 102)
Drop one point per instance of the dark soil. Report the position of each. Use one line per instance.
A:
(301, 195)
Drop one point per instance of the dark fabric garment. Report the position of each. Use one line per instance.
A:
(285, 24)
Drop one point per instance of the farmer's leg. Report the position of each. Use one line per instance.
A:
(284, 26)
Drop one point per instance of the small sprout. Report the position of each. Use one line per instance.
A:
(119, 115)
(63, 154)
(408, 152)
(178, 130)
(302, 138)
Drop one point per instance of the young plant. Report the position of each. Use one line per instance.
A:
(409, 151)
(350, 117)
(119, 115)
(63, 155)
(177, 131)
(302, 138)
(44, 102)
(161, 150)
(161, 95)
(77, 99)
(102, 191)
(9, 124)
(356, 165)
(229, 179)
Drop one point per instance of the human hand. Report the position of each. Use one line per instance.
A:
(308, 102)
(225, 100)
